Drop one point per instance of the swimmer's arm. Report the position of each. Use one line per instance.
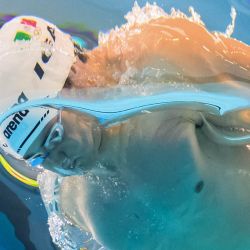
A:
(185, 46)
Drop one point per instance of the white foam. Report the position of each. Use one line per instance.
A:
(140, 15)
(230, 28)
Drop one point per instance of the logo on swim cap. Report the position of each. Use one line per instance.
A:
(24, 127)
(29, 22)
(35, 61)
(17, 118)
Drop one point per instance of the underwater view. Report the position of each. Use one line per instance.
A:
(125, 125)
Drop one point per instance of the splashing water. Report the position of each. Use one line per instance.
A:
(178, 49)
(150, 12)
(230, 27)
(63, 233)
(145, 14)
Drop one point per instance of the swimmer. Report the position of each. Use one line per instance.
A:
(133, 198)
(182, 50)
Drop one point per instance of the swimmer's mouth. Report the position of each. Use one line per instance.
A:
(72, 166)
(225, 135)
(68, 163)
(67, 166)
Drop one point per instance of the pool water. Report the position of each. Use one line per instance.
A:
(7, 236)
(23, 219)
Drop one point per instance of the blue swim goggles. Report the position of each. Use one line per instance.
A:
(54, 138)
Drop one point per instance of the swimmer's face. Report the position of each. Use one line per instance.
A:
(75, 154)
(90, 70)
(81, 75)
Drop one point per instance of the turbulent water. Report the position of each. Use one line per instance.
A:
(176, 178)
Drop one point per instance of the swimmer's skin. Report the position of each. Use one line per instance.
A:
(142, 189)
(135, 198)
(185, 49)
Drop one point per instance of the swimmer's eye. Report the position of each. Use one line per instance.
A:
(68, 83)
(83, 57)
(80, 53)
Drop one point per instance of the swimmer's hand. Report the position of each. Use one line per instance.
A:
(80, 142)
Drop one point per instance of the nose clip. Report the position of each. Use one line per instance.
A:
(55, 136)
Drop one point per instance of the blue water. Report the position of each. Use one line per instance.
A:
(23, 219)
(7, 235)
(25, 204)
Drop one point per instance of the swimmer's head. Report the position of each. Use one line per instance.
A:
(35, 61)
(35, 58)
(76, 143)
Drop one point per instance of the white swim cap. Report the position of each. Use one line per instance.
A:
(35, 61)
